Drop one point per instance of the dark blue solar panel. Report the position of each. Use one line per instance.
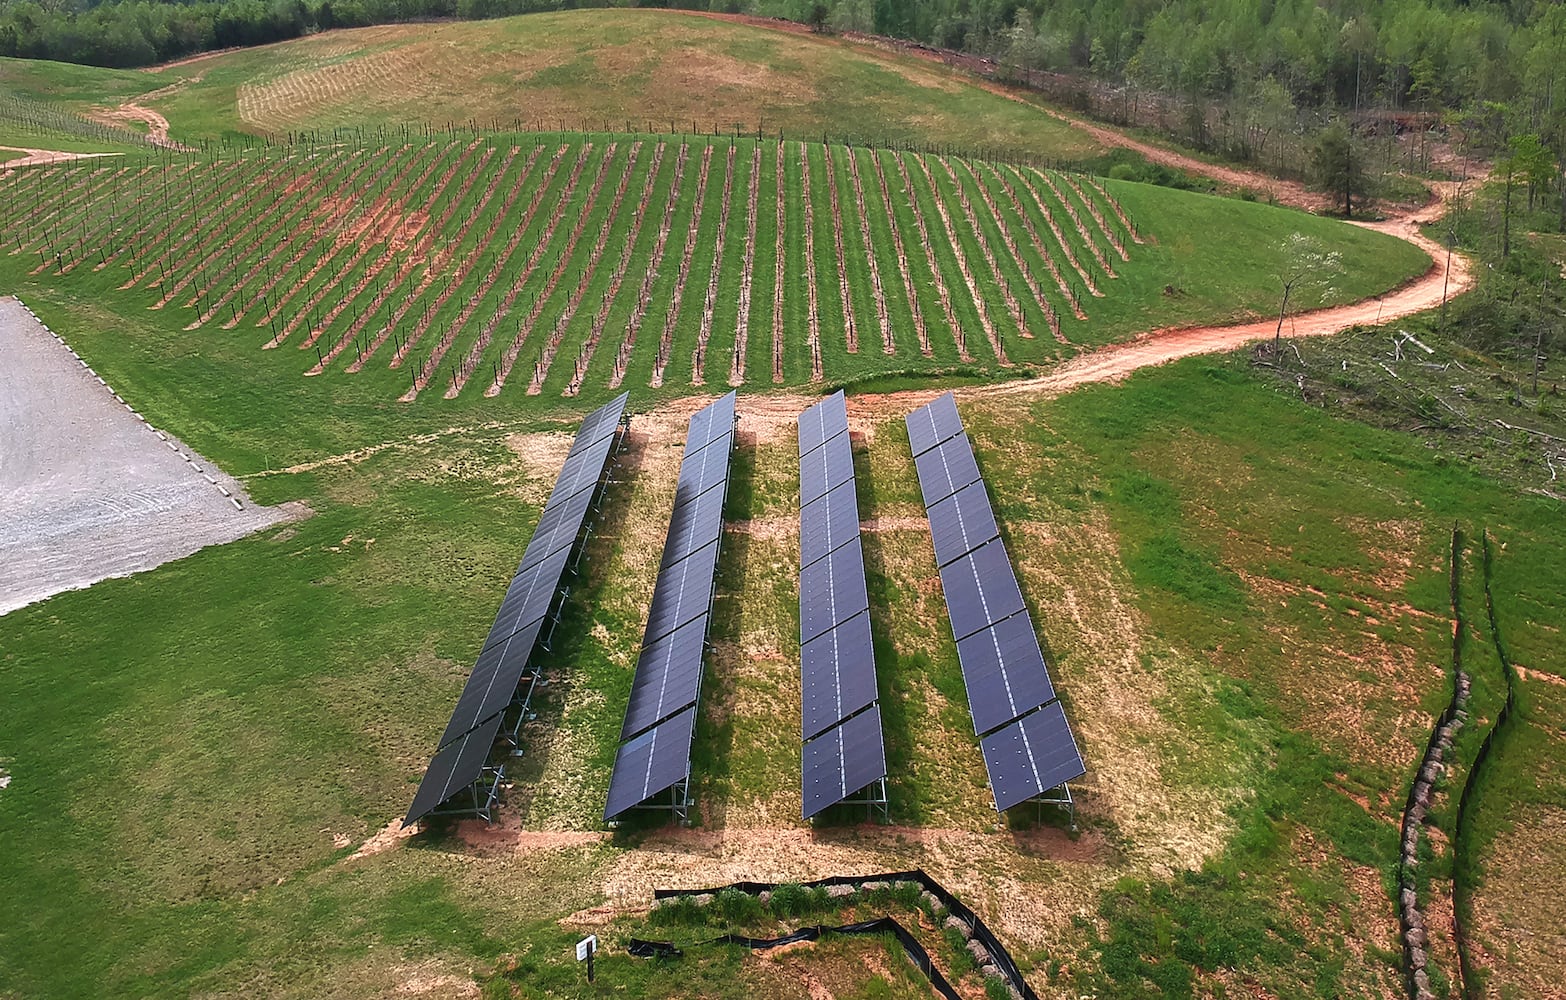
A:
(600, 423)
(454, 768)
(683, 592)
(980, 589)
(493, 681)
(693, 526)
(929, 425)
(581, 471)
(946, 468)
(557, 531)
(702, 471)
(668, 677)
(827, 523)
(651, 763)
(831, 590)
(529, 596)
(709, 424)
(961, 523)
(842, 761)
(1031, 756)
(822, 421)
(825, 469)
(837, 675)
(1004, 671)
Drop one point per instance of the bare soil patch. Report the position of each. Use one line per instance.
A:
(88, 490)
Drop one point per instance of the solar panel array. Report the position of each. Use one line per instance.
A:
(1023, 733)
(465, 746)
(843, 750)
(660, 720)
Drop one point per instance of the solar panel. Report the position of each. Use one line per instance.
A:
(528, 598)
(692, 526)
(600, 423)
(929, 425)
(822, 421)
(709, 424)
(1031, 756)
(961, 523)
(831, 590)
(841, 761)
(1004, 671)
(946, 468)
(651, 763)
(557, 531)
(704, 470)
(824, 469)
(455, 767)
(668, 677)
(827, 523)
(582, 470)
(494, 679)
(682, 593)
(980, 589)
(836, 674)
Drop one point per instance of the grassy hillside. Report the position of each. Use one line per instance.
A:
(617, 69)
(1245, 602)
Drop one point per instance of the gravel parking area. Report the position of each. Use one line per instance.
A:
(88, 491)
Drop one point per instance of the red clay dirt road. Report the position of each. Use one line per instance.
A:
(1449, 275)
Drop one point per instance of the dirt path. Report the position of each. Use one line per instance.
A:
(36, 157)
(130, 111)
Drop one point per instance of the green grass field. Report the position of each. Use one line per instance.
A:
(1248, 674)
(1243, 598)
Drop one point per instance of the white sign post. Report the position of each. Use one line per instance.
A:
(585, 950)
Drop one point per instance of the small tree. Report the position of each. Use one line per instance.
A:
(1338, 167)
(1309, 274)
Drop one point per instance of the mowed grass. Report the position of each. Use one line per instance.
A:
(1243, 601)
(602, 70)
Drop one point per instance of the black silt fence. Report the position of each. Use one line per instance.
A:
(999, 956)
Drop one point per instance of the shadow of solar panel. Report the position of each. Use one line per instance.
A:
(832, 590)
(946, 468)
(682, 593)
(980, 589)
(493, 682)
(703, 470)
(929, 425)
(668, 677)
(529, 597)
(693, 526)
(653, 762)
(458, 765)
(709, 424)
(821, 422)
(836, 675)
(841, 761)
(961, 523)
(1031, 756)
(828, 522)
(825, 469)
(1003, 669)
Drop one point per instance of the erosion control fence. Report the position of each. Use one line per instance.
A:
(1462, 874)
(976, 930)
(881, 925)
(1411, 917)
